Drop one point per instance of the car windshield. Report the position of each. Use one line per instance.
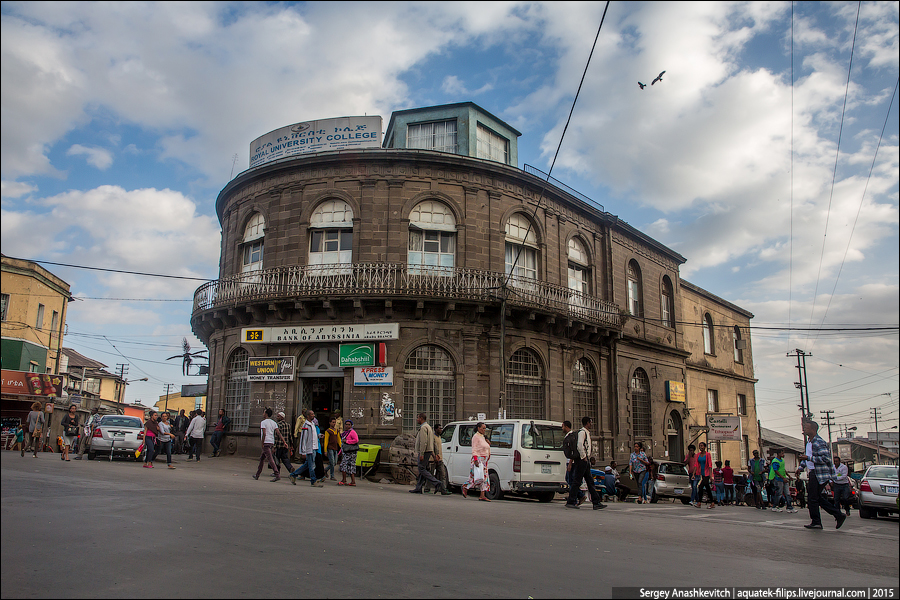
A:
(113, 421)
(542, 437)
(882, 472)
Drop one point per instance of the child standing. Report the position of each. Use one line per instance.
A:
(20, 439)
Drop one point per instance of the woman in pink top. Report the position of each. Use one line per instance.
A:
(481, 452)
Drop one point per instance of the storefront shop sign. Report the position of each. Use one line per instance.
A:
(381, 376)
(723, 429)
(326, 333)
(270, 368)
(32, 384)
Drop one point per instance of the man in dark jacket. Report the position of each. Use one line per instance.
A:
(219, 432)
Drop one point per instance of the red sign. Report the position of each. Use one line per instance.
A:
(32, 384)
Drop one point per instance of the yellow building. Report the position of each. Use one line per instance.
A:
(89, 379)
(720, 379)
(33, 304)
(176, 402)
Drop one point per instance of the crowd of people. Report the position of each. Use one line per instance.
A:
(767, 485)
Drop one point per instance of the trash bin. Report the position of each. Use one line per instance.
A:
(367, 455)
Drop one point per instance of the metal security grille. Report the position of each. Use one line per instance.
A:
(640, 404)
(584, 387)
(429, 386)
(524, 386)
(237, 391)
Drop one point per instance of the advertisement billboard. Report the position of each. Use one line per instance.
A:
(723, 429)
(357, 355)
(324, 135)
(270, 368)
(383, 376)
(675, 392)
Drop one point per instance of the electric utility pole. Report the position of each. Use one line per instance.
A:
(828, 418)
(168, 386)
(806, 413)
(877, 441)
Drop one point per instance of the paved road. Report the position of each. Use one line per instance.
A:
(99, 529)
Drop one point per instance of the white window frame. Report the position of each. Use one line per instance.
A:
(635, 289)
(712, 400)
(432, 239)
(252, 244)
(435, 135)
(521, 241)
(668, 303)
(708, 345)
(331, 236)
(490, 145)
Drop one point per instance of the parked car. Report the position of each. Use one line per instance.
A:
(116, 435)
(878, 491)
(672, 481)
(526, 457)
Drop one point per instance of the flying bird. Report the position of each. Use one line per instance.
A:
(643, 85)
(658, 78)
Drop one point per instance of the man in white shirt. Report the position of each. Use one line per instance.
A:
(309, 445)
(841, 485)
(268, 429)
(582, 469)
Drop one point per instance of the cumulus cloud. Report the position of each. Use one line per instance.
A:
(144, 230)
(97, 157)
(15, 189)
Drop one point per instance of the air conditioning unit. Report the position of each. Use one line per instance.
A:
(740, 344)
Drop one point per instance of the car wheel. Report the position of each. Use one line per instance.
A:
(494, 492)
(654, 498)
(685, 501)
(545, 497)
(92, 455)
(866, 513)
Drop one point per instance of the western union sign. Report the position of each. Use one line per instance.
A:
(270, 368)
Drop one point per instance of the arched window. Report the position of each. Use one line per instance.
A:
(708, 345)
(252, 244)
(738, 345)
(635, 290)
(237, 391)
(524, 386)
(432, 239)
(668, 303)
(521, 250)
(429, 386)
(640, 404)
(584, 388)
(579, 267)
(331, 234)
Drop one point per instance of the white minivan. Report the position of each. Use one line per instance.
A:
(526, 457)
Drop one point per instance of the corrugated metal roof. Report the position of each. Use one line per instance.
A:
(780, 440)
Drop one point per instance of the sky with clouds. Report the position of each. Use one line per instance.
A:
(753, 157)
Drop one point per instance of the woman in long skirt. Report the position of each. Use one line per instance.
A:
(478, 471)
(349, 439)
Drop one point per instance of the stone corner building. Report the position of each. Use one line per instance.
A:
(493, 292)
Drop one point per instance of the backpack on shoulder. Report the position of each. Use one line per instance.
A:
(570, 445)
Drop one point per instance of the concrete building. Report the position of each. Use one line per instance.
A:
(469, 286)
(33, 306)
(720, 369)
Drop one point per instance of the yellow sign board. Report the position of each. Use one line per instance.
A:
(675, 392)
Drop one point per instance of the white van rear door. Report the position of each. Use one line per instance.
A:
(542, 455)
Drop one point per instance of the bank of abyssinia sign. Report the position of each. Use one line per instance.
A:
(342, 133)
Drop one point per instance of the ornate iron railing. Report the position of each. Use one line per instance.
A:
(402, 280)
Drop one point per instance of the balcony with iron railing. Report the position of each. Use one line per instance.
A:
(397, 280)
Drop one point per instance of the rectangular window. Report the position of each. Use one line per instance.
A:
(40, 317)
(253, 255)
(331, 247)
(742, 404)
(714, 451)
(440, 136)
(712, 398)
(491, 146)
(634, 295)
(431, 249)
(54, 321)
(4, 305)
(745, 452)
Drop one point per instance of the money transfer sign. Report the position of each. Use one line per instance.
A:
(723, 429)
(342, 133)
(373, 376)
(270, 368)
(357, 355)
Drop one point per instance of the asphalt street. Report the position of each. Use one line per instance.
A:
(99, 529)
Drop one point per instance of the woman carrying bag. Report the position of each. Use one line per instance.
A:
(478, 472)
(70, 431)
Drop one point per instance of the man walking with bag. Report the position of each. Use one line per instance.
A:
(582, 468)
(821, 473)
(425, 450)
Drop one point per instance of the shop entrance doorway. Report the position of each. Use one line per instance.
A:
(322, 379)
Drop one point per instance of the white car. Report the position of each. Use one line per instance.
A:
(526, 457)
(116, 435)
(878, 491)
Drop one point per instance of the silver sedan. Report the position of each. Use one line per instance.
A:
(116, 435)
(878, 491)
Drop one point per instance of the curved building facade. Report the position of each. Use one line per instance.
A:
(479, 289)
